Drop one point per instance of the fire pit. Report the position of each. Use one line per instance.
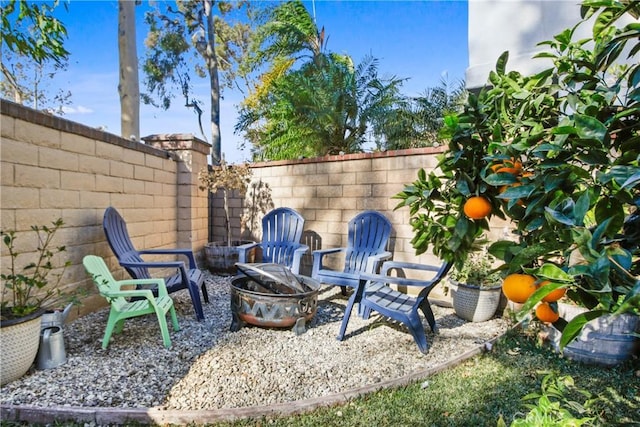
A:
(270, 295)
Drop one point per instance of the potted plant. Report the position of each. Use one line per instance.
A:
(223, 255)
(27, 291)
(476, 288)
(557, 153)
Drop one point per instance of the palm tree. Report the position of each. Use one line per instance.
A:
(319, 110)
(323, 106)
(416, 121)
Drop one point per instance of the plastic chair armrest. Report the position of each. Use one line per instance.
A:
(401, 281)
(388, 265)
(158, 264)
(373, 262)
(162, 286)
(300, 248)
(323, 252)
(185, 252)
(146, 293)
(244, 249)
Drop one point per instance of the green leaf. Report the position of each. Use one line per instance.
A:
(632, 181)
(558, 216)
(501, 64)
(498, 179)
(589, 127)
(553, 273)
(574, 327)
(501, 248)
(580, 208)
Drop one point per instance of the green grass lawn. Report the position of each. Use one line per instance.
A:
(482, 390)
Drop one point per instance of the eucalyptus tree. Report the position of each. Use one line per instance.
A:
(205, 36)
(32, 40)
(129, 85)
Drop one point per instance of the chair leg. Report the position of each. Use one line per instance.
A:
(174, 318)
(428, 314)
(111, 325)
(417, 331)
(195, 299)
(205, 293)
(164, 329)
(345, 319)
(356, 297)
(119, 326)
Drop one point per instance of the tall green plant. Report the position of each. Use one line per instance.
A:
(28, 288)
(575, 130)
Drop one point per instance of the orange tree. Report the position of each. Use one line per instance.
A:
(557, 153)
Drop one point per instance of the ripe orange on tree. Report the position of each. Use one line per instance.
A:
(505, 187)
(477, 207)
(513, 167)
(554, 295)
(519, 287)
(545, 313)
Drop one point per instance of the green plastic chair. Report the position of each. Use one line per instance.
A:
(121, 309)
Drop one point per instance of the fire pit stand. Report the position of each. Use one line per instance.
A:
(270, 295)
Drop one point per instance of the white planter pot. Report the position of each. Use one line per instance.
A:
(19, 341)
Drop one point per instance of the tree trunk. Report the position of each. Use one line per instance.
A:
(128, 87)
(212, 67)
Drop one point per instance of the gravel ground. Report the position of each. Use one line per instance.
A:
(209, 367)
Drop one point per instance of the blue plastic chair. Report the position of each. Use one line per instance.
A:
(367, 242)
(186, 277)
(281, 233)
(374, 293)
(121, 309)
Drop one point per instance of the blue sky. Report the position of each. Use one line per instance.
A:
(424, 41)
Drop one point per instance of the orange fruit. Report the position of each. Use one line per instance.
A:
(477, 207)
(554, 295)
(505, 169)
(545, 313)
(515, 184)
(519, 287)
(513, 167)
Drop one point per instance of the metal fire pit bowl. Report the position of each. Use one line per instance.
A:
(270, 295)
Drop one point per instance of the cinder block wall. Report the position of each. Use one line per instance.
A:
(329, 191)
(53, 168)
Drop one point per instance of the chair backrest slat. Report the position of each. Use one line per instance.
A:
(281, 232)
(103, 279)
(368, 235)
(115, 229)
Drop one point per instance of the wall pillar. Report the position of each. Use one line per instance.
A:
(192, 203)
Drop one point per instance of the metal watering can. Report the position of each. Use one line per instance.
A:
(55, 318)
(51, 352)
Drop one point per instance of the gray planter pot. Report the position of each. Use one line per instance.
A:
(222, 259)
(473, 303)
(606, 341)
